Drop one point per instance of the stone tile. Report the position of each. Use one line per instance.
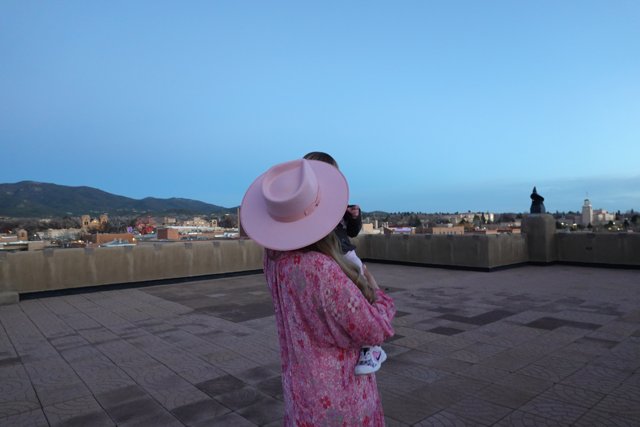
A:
(263, 411)
(555, 410)
(16, 387)
(448, 364)
(484, 373)
(241, 398)
(447, 419)
(405, 409)
(52, 394)
(628, 390)
(398, 384)
(444, 347)
(477, 352)
(272, 387)
(231, 419)
(196, 374)
(551, 323)
(524, 419)
(33, 418)
(442, 330)
(416, 340)
(525, 383)
(77, 412)
(101, 378)
(440, 395)
(573, 395)
(141, 411)
(549, 371)
(171, 397)
(134, 350)
(463, 384)
(479, 410)
(604, 419)
(412, 371)
(619, 406)
(120, 395)
(256, 375)
(221, 385)
(15, 407)
(411, 356)
(390, 422)
(614, 362)
(505, 396)
(481, 319)
(511, 360)
(597, 342)
(596, 378)
(200, 412)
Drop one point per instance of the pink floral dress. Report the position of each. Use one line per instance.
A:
(323, 319)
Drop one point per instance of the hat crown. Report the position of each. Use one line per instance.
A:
(290, 190)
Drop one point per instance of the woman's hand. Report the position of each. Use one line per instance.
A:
(354, 210)
(370, 278)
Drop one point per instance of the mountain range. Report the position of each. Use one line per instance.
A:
(29, 199)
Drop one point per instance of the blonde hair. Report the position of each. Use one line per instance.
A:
(330, 246)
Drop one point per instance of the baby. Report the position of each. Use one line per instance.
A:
(371, 356)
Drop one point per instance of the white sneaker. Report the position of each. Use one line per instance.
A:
(366, 363)
(371, 358)
(378, 353)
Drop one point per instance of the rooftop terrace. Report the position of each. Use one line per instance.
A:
(553, 345)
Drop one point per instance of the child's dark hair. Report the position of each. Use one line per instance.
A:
(323, 157)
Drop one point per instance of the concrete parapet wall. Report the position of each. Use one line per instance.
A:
(599, 248)
(55, 269)
(469, 251)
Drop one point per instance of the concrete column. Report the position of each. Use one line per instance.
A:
(7, 295)
(540, 231)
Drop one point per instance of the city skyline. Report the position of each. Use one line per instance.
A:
(426, 107)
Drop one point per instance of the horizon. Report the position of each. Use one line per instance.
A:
(364, 211)
(426, 107)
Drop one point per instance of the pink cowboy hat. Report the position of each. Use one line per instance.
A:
(294, 204)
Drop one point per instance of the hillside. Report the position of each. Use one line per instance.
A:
(28, 199)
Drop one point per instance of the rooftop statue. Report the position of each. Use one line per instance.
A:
(537, 205)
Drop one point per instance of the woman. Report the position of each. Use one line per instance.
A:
(325, 310)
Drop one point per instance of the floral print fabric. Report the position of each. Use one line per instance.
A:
(323, 319)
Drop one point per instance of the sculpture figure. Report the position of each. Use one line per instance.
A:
(537, 205)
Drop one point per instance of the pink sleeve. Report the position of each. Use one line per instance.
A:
(351, 319)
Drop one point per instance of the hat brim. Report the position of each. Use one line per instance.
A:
(287, 236)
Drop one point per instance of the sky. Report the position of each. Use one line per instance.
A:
(430, 106)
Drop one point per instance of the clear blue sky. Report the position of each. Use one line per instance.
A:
(427, 105)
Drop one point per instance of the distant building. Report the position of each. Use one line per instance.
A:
(450, 230)
(101, 238)
(63, 234)
(23, 236)
(87, 223)
(485, 231)
(200, 222)
(399, 230)
(6, 238)
(587, 212)
(369, 228)
(601, 216)
(168, 233)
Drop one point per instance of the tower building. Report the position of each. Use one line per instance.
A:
(587, 212)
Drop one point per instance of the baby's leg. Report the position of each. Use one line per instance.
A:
(354, 259)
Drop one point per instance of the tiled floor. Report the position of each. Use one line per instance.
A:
(529, 346)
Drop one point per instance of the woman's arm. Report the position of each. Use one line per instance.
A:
(351, 319)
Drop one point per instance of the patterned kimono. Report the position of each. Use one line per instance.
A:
(323, 319)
